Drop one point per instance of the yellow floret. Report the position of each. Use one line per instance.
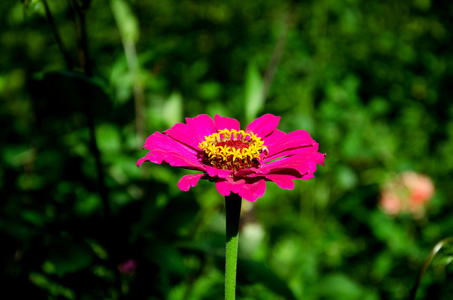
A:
(227, 157)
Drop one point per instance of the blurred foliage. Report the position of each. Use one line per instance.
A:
(370, 81)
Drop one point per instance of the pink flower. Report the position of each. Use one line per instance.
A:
(237, 161)
(407, 192)
(127, 267)
(391, 203)
(420, 187)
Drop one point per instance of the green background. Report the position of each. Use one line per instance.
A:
(370, 80)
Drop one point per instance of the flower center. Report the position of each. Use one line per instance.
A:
(232, 150)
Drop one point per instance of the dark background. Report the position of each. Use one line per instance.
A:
(370, 80)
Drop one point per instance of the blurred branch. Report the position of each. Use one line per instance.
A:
(139, 94)
(425, 266)
(81, 33)
(128, 28)
(56, 34)
(278, 52)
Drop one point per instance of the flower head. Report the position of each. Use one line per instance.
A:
(238, 161)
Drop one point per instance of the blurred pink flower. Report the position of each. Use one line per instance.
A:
(407, 192)
(420, 187)
(391, 203)
(238, 161)
(127, 267)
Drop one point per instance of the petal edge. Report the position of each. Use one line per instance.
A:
(188, 181)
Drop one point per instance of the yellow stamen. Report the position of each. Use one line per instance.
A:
(232, 149)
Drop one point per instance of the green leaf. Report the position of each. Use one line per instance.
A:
(167, 257)
(172, 109)
(53, 288)
(339, 286)
(67, 256)
(252, 272)
(385, 229)
(249, 272)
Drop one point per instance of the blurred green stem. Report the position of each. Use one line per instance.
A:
(57, 35)
(277, 52)
(129, 29)
(233, 212)
(425, 266)
(81, 33)
(85, 63)
(139, 94)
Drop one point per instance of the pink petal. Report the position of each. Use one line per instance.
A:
(308, 176)
(203, 125)
(157, 157)
(274, 137)
(213, 172)
(184, 134)
(141, 160)
(264, 125)
(226, 123)
(288, 169)
(303, 163)
(175, 159)
(188, 181)
(292, 151)
(283, 181)
(225, 187)
(246, 172)
(237, 185)
(159, 141)
(280, 164)
(164, 148)
(295, 142)
(253, 191)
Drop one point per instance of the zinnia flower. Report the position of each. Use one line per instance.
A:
(238, 161)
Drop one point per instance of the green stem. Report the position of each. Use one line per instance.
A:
(425, 266)
(233, 212)
(57, 35)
